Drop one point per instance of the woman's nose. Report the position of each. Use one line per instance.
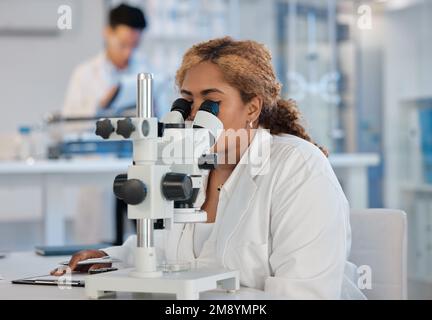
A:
(193, 112)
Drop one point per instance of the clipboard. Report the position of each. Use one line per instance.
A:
(77, 280)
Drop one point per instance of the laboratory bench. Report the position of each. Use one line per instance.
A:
(18, 265)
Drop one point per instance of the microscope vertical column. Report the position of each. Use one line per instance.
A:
(144, 110)
(144, 95)
(145, 254)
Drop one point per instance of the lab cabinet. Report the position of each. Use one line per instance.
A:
(415, 185)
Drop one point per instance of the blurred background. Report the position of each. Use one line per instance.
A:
(360, 71)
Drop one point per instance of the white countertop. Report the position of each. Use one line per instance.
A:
(26, 264)
(62, 166)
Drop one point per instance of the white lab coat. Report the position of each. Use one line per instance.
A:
(92, 79)
(283, 222)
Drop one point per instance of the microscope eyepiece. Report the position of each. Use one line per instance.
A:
(183, 106)
(210, 106)
(206, 118)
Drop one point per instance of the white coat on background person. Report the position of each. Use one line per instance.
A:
(282, 220)
(91, 80)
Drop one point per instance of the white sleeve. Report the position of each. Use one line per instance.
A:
(73, 99)
(80, 101)
(309, 240)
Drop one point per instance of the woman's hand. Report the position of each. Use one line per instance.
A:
(80, 256)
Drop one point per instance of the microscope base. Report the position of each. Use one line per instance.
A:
(186, 285)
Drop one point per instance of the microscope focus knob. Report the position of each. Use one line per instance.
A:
(177, 186)
(104, 128)
(125, 127)
(133, 191)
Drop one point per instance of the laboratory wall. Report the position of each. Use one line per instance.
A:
(37, 60)
(34, 56)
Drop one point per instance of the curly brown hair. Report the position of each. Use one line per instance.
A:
(246, 65)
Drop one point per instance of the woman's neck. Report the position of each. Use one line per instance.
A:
(239, 151)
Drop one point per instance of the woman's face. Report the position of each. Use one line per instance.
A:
(205, 82)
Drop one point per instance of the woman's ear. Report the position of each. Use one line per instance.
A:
(254, 107)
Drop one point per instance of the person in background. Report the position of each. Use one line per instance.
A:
(105, 85)
(107, 82)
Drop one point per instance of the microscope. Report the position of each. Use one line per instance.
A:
(170, 158)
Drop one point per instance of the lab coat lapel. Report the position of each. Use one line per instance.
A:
(237, 195)
(234, 208)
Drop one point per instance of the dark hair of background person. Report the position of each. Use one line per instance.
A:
(127, 15)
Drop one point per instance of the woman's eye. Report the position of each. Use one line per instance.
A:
(214, 100)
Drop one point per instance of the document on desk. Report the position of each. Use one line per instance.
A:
(67, 280)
